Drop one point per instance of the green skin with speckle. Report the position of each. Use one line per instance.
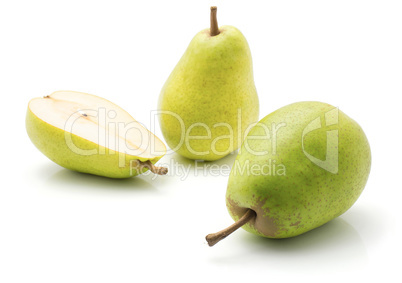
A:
(211, 84)
(298, 195)
(51, 141)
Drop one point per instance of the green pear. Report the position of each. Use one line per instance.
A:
(89, 134)
(210, 99)
(298, 168)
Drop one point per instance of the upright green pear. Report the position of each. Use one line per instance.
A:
(210, 99)
(298, 168)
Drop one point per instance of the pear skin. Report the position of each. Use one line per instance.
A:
(299, 167)
(210, 98)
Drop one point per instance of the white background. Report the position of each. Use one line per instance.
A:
(61, 226)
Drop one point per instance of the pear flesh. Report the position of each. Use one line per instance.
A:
(299, 167)
(89, 134)
(209, 99)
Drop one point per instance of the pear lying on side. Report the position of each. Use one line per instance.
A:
(210, 99)
(89, 134)
(298, 168)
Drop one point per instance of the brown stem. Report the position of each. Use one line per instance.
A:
(154, 169)
(214, 238)
(214, 30)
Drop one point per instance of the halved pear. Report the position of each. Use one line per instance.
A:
(89, 134)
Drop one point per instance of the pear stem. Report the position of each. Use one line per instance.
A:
(154, 169)
(214, 238)
(214, 30)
